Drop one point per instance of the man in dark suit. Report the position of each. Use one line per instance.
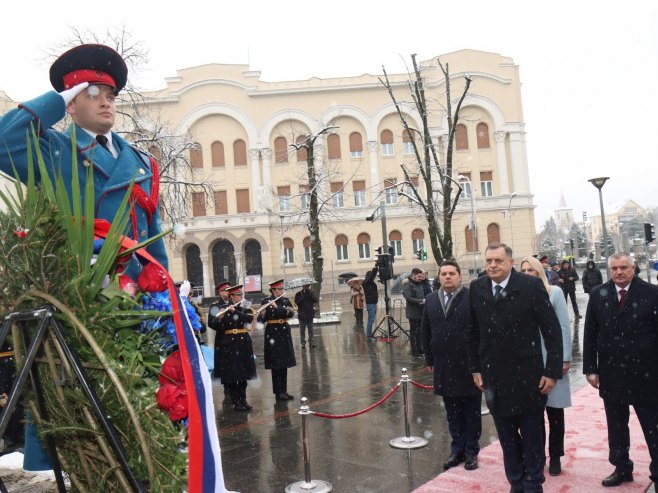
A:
(510, 313)
(620, 359)
(443, 333)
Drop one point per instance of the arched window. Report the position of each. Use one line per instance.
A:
(240, 153)
(196, 155)
(364, 246)
(356, 145)
(288, 251)
(252, 258)
(308, 258)
(193, 266)
(395, 241)
(461, 138)
(223, 262)
(386, 143)
(407, 142)
(468, 233)
(217, 154)
(302, 154)
(341, 248)
(333, 146)
(280, 150)
(493, 233)
(482, 131)
(417, 239)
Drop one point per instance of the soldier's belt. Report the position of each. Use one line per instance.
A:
(236, 331)
(277, 321)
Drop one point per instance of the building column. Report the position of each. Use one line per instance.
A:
(256, 185)
(501, 153)
(373, 157)
(266, 195)
(519, 159)
(208, 288)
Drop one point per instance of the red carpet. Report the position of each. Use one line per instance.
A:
(584, 464)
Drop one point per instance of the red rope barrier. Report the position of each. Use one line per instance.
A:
(421, 386)
(351, 415)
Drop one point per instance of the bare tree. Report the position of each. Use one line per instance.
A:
(143, 126)
(442, 191)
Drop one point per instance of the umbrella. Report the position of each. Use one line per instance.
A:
(400, 278)
(347, 275)
(299, 282)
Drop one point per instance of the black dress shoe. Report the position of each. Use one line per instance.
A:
(281, 397)
(288, 396)
(453, 460)
(239, 407)
(617, 478)
(554, 466)
(246, 405)
(471, 462)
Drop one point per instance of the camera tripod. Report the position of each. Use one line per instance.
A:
(392, 325)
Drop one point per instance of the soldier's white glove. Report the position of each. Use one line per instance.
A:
(185, 288)
(69, 94)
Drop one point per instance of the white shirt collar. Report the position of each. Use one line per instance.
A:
(108, 135)
(502, 284)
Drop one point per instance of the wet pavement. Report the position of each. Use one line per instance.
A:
(262, 451)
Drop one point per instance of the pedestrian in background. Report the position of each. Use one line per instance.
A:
(591, 277)
(567, 277)
(371, 297)
(306, 301)
(446, 318)
(357, 298)
(414, 296)
(620, 359)
(560, 397)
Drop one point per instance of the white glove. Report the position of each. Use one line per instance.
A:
(69, 94)
(185, 288)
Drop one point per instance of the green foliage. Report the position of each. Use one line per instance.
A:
(46, 248)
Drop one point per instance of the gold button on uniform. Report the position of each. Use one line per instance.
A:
(141, 171)
(86, 163)
(142, 233)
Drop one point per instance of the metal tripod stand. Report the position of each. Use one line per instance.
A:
(392, 325)
(45, 322)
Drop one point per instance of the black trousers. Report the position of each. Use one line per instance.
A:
(572, 295)
(237, 391)
(555, 431)
(280, 381)
(414, 337)
(464, 423)
(619, 439)
(523, 450)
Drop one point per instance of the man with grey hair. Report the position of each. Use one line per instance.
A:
(620, 359)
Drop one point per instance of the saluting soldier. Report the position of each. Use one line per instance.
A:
(87, 80)
(278, 348)
(215, 323)
(233, 341)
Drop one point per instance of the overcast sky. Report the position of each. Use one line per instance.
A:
(588, 68)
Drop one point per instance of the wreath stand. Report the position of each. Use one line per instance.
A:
(24, 323)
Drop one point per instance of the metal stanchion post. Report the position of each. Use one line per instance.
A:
(312, 485)
(407, 441)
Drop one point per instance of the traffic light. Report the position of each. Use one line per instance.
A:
(424, 253)
(391, 253)
(584, 217)
(649, 233)
(384, 267)
(419, 254)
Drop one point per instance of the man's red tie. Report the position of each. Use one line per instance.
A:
(622, 295)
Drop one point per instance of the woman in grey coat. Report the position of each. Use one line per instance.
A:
(560, 396)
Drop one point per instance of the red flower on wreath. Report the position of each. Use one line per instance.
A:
(172, 394)
(152, 278)
(21, 232)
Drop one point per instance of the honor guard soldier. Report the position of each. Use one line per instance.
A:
(87, 80)
(233, 342)
(279, 352)
(215, 323)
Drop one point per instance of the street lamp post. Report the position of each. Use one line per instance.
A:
(283, 251)
(509, 213)
(474, 228)
(598, 183)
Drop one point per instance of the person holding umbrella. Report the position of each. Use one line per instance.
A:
(306, 301)
(357, 298)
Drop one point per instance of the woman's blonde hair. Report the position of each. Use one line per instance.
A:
(541, 273)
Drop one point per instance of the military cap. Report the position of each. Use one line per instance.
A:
(93, 63)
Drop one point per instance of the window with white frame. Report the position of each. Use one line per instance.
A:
(395, 241)
(285, 204)
(417, 244)
(364, 246)
(304, 197)
(390, 191)
(337, 195)
(359, 187)
(486, 183)
(356, 145)
(386, 143)
(341, 248)
(307, 250)
(466, 184)
(407, 143)
(288, 251)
